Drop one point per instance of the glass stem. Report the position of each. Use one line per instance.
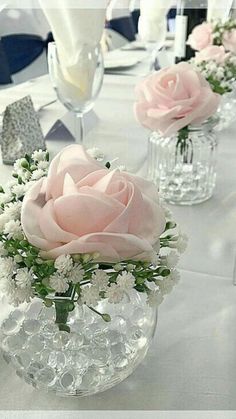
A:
(79, 128)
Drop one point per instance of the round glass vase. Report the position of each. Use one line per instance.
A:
(183, 166)
(89, 356)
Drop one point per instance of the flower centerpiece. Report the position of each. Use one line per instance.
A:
(176, 104)
(216, 32)
(219, 69)
(90, 250)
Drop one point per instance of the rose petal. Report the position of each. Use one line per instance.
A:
(113, 247)
(86, 211)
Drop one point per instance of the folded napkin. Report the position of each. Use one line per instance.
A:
(76, 31)
(152, 24)
(218, 9)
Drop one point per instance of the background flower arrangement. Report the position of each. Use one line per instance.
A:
(74, 278)
(216, 32)
(217, 66)
(169, 100)
(178, 105)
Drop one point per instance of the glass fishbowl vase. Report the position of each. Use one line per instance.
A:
(184, 167)
(89, 356)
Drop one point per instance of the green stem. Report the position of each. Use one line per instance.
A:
(62, 314)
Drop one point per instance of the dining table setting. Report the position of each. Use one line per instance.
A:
(103, 119)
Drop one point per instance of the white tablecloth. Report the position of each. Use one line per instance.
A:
(192, 362)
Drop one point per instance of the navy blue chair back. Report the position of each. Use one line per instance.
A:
(5, 74)
(20, 50)
(135, 16)
(124, 26)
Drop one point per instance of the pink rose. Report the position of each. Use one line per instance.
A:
(82, 207)
(212, 53)
(229, 41)
(201, 36)
(173, 98)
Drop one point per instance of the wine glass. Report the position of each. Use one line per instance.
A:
(78, 84)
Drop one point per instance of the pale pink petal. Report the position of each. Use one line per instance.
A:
(113, 247)
(84, 213)
(72, 160)
(69, 186)
(33, 203)
(49, 226)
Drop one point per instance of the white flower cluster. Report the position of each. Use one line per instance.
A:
(218, 75)
(114, 292)
(66, 272)
(15, 282)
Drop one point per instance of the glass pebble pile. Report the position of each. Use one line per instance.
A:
(93, 357)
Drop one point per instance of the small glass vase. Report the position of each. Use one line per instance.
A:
(184, 167)
(87, 357)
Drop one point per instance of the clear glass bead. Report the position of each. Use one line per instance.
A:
(90, 357)
(184, 169)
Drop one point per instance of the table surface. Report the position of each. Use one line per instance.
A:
(191, 364)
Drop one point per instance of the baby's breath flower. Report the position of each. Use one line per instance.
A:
(126, 281)
(13, 229)
(4, 219)
(23, 278)
(43, 165)
(37, 174)
(39, 155)
(100, 279)
(114, 293)
(90, 295)
(58, 283)
(165, 285)
(13, 210)
(63, 264)
(96, 153)
(5, 198)
(3, 251)
(174, 276)
(18, 190)
(7, 267)
(171, 260)
(76, 274)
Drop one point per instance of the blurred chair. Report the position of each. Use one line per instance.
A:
(171, 16)
(5, 73)
(120, 20)
(114, 40)
(22, 49)
(23, 42)
(135, 12)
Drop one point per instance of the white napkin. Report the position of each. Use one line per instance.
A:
(117, 9)
(76, 30)
(152, 22)
(218, 9)
(134, 5)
